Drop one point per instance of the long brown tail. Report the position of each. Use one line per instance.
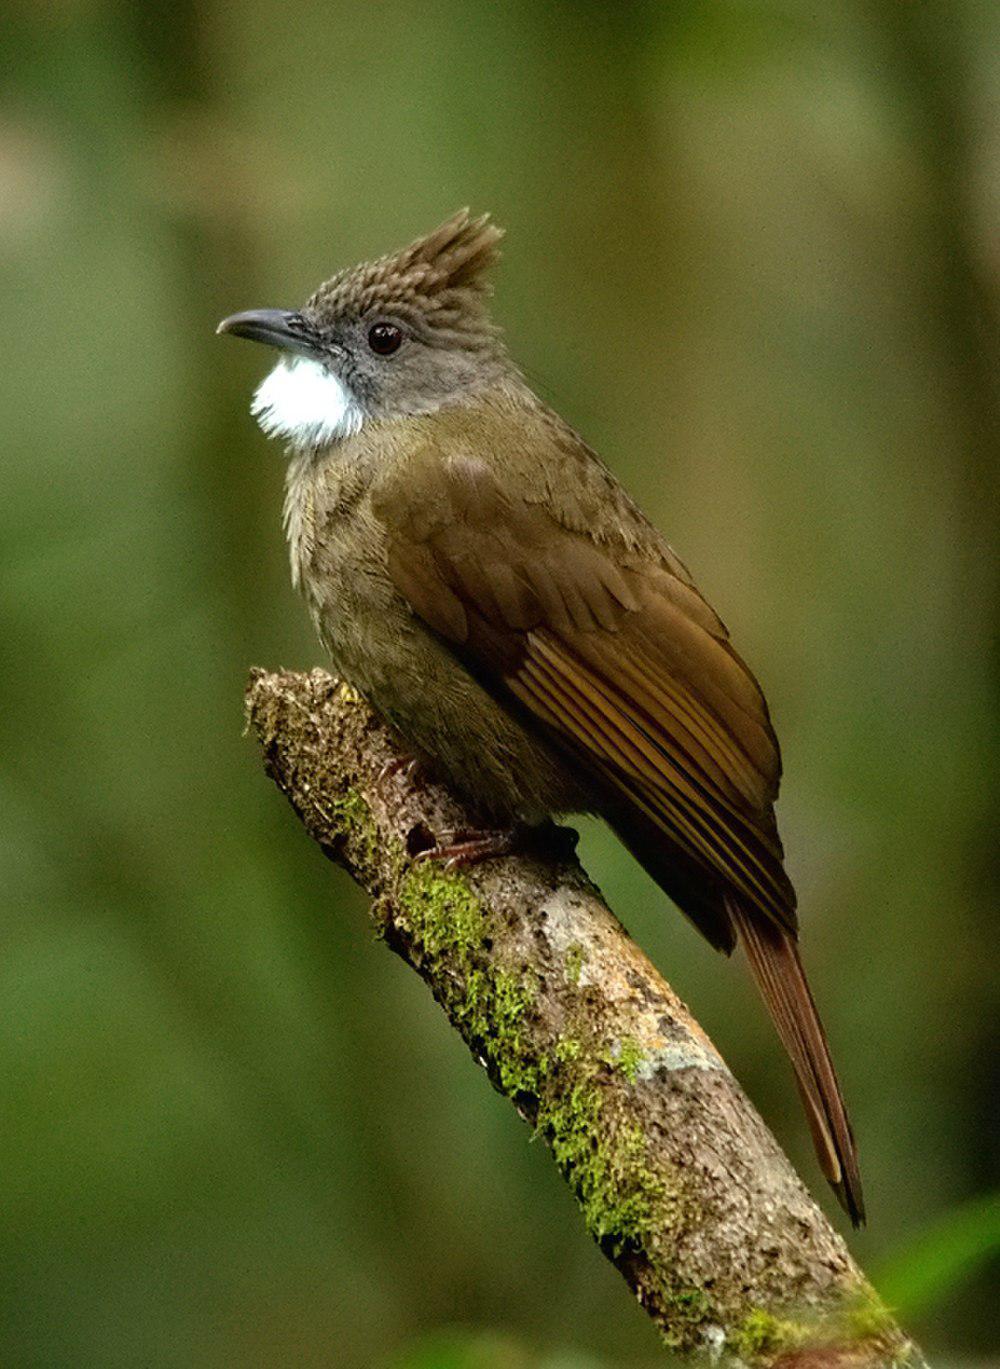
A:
(774, 960)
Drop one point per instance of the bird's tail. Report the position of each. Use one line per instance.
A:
(774, 960)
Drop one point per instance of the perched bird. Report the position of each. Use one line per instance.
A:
(479, 575)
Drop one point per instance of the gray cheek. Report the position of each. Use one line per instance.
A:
(361, 381)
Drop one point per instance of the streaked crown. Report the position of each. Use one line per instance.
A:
(437, 285)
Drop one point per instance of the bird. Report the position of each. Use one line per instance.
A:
(482, 578)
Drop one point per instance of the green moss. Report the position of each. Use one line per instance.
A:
(685, 1310)
(442, 911)
(617, 1191)
(867, 1318)
(491, 1015)
(763, 1336)
(488, 1004)
(627, 1056)
(566, 1087)
(352, 817)
(575, 959)
(567, 1048)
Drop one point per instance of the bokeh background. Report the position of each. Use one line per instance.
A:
(753, 255)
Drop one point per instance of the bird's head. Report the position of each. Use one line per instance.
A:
(402, 335)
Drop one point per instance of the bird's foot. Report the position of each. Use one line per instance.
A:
(407, 766)
(468, 846)
(459, 850)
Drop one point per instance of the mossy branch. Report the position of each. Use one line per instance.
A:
(679, 1181)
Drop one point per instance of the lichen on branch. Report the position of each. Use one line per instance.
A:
(678, 1180)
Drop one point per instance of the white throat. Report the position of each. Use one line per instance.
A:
(306, 404)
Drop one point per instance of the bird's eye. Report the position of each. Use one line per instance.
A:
(384, 338)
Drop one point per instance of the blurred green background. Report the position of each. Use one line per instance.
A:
(753, 255)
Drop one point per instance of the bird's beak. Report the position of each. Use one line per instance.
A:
(282, 328)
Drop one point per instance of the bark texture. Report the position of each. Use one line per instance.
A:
(679, 1181)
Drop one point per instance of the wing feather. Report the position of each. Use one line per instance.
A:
(614, 652)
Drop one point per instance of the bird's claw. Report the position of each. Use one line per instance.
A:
(459, 850)
(406, 766)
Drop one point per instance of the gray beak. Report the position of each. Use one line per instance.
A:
(282, 328)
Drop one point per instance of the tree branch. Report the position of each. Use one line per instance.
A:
(680, 1182)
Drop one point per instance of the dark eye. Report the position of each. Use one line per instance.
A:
(384, 338)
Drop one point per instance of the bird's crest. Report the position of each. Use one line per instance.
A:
(437, 283)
